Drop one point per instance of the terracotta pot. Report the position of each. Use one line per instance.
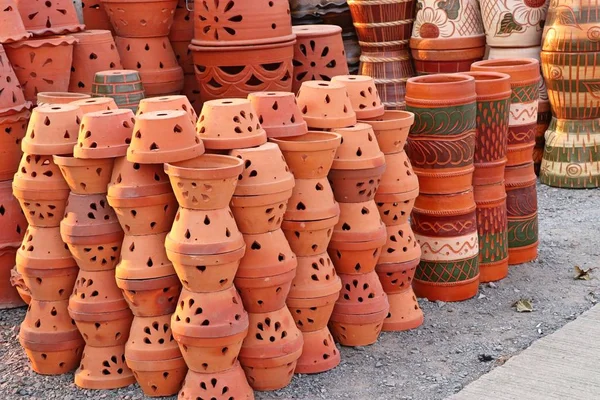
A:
(242, 24)
(230, 124)
(359, 222)
(312, 314)
(308, 238)
(56, 358)
(325, 105)
(543, 123)
(94, 15)
(391, 130)
(151, 297)
(357, 329)
(52, 98)
(315, 282)
(90, 105)
(360, 294)
(52, 130)
(42, 65)
(210, 329)
(94, 51)
(164, 137)
(355, 186)
(446, 229)
(524, 78)
(319, 54)
(192, 91)
(11, 217)
(312, 200)
(232, 381)
(390, 69)
(13, 28)
(359, 149)
(266, 67)
(13, 128)
(513, 23)
(85, 176)
(137, 18)
(16, 280)
(260, 214)
(147, 215)
(265, 171)
(44, 19)
(96, 292)
(401, 245)
(271, 350)
(88, 215)
(133, 180)
(278, 113)
(9, 281)
(103, 368)
(445, 61)
(206, 182)
(399, 176)
(105, 134)
(319, 353)
(103, 329)
(395, 208)
(144, 257)
(178, 102)
(183, 24)
(124, 86)
(363, 95)
(311, 155)
(95, 253)
(442, 153)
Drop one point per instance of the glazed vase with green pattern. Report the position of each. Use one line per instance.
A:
(124, 86)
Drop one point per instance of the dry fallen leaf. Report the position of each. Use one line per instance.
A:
(582, 274)
(502, 360)
(523, 305)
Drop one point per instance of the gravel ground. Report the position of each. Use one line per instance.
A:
(457, 343)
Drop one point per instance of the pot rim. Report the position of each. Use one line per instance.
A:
(42, 41)
(243, 47)
(390, 120)
(147, 284)
(205, 167)
(70, 161)
(310, 141)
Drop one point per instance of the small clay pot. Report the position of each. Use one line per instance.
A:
(137, 18)
(133, 180)
(177, 102)
(359, 149)
(316, 278)
(95, 253)
(13, 128)
(312, 200)
(265, 171)
(94, 15)
(359, 222)
(357, 329)
(271, 350)
(85, 176)
(88, 215)
(319, 353)
(312, 314)
(151, 297)
(311, 155)
(124, 86)
(405, 313)
(309, 238)
(30, 58)
(95, 104)
(164, 137)
(399, 176)
(363, 95)
(395, 208)
(206, 182)
(103, 368)
(55, 18)
(96, 292)
(52, 130)
(103, 329)
(401, 245)
(104, 134)
(11, 217)
(45, 98)
(391, 130)
(232, 381)
(144, 257)
(230, 124)
(260, 214)
(12, 99)
(355, 186)
(13, 29)
(53, 358)
(325, 105)
(278, 114)
(147, 215)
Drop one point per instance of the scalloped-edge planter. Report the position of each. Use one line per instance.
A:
(325, 105)
(278, 114)
(43, 18)
(13, 29)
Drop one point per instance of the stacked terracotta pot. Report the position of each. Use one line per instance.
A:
(142, 29)
(520, 178)
(242, 47)
(94, 15)
(444, 217)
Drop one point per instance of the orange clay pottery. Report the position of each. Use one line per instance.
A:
(265, 171)
(271, 350)
(446, 228)
(191, 91)
(319, 353)
(104, 134)
(210, 329)
(231, 382)
(52, 130)
(229, 124)
(11, 217)
(164, 137)
(278, 113)
(94, 51)
(124, 86)
(399, 176)
(42, 65)
(103, 368)
(308, 238)
(144, 257)
(325, 105)
(13, 130)
(96, 292)
(16, 280)
(180, 36)
(12, 99)
(94, 15)
(132, 180)
(391, 130)
(103, 328)
(311, 155)
(45, 265)
(206, 182)
(85, 176)
(150, 297)
(206, 232)
(44, 98)
(177, 102)
(140, 18)
(315, 278)
(395, 208)
(43, 18)
(154, 59)
(153, 355)
(50, 338)
(13, 29)
(41, 190)
(90, 105)
(363, 95)
(359, 222)
(260, 214)
(312, 200)
(318, 53)
(442, 153)
(265, 274)
(401, 245)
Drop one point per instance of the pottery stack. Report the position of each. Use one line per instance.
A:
(519, 176)
(241, 47)
(142, 38)
(444, 217)
(50, 338)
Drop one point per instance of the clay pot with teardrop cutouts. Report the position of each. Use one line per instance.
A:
(391, 130)
(312, 200)
(308, 238)
(11, 217)
(363, 94)
(51, 98)
(162, 103)
(229, 124)
(319, 353)
(325, 105)
(144, 257)
(13, 29)
(232, 381)
(96, 292)
(150, 297)
(315, 278)
(164, 137)
(44, 18)
(52, 130)
(395, 208)
(140, 18)
(103, 329)
(401, 245)
(132, 180)
(16, 280)
(399, 176)
(104, 134)
(210, 328)
(278, 113)
(12, 99)
(145, 215)
(90, 105)
(260, 214)
(124, 86)
(94, 15)
(85, 176)
(103, 368)
(12, 132)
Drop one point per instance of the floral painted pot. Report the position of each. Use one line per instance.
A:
(232, 381)
(13, 128)
(278, 114)
(140, 18)
(363, 95)
(85, 176)
(96, 362)
(150, 297)
(52, 130)
(309, 238)
(391, 130)
(124, 86)
(44, 98)
(13, 27)
(177, 102)
(325, 105)
(442, 153)
(54, 18)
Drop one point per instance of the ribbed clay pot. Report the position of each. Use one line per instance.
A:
(308, 238)
(162, 103)
(13, 130)
(12, 99)
(124, 86)
(140, 18)
(391, 130)
(44, 18)
(319, 54)
(42, 65)
(52, 130)
(44, 98)
(278, 113)
(442, 153)
(103, 368)
(363, 95)
(152, 296)
(85, 176)
(13, 29)
(94, 15)
(232, 381)
(105, 134)
(90, 105)
(325, 105)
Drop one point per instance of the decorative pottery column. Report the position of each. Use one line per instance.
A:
(522, 203)
(441, 147)
(569, 52)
